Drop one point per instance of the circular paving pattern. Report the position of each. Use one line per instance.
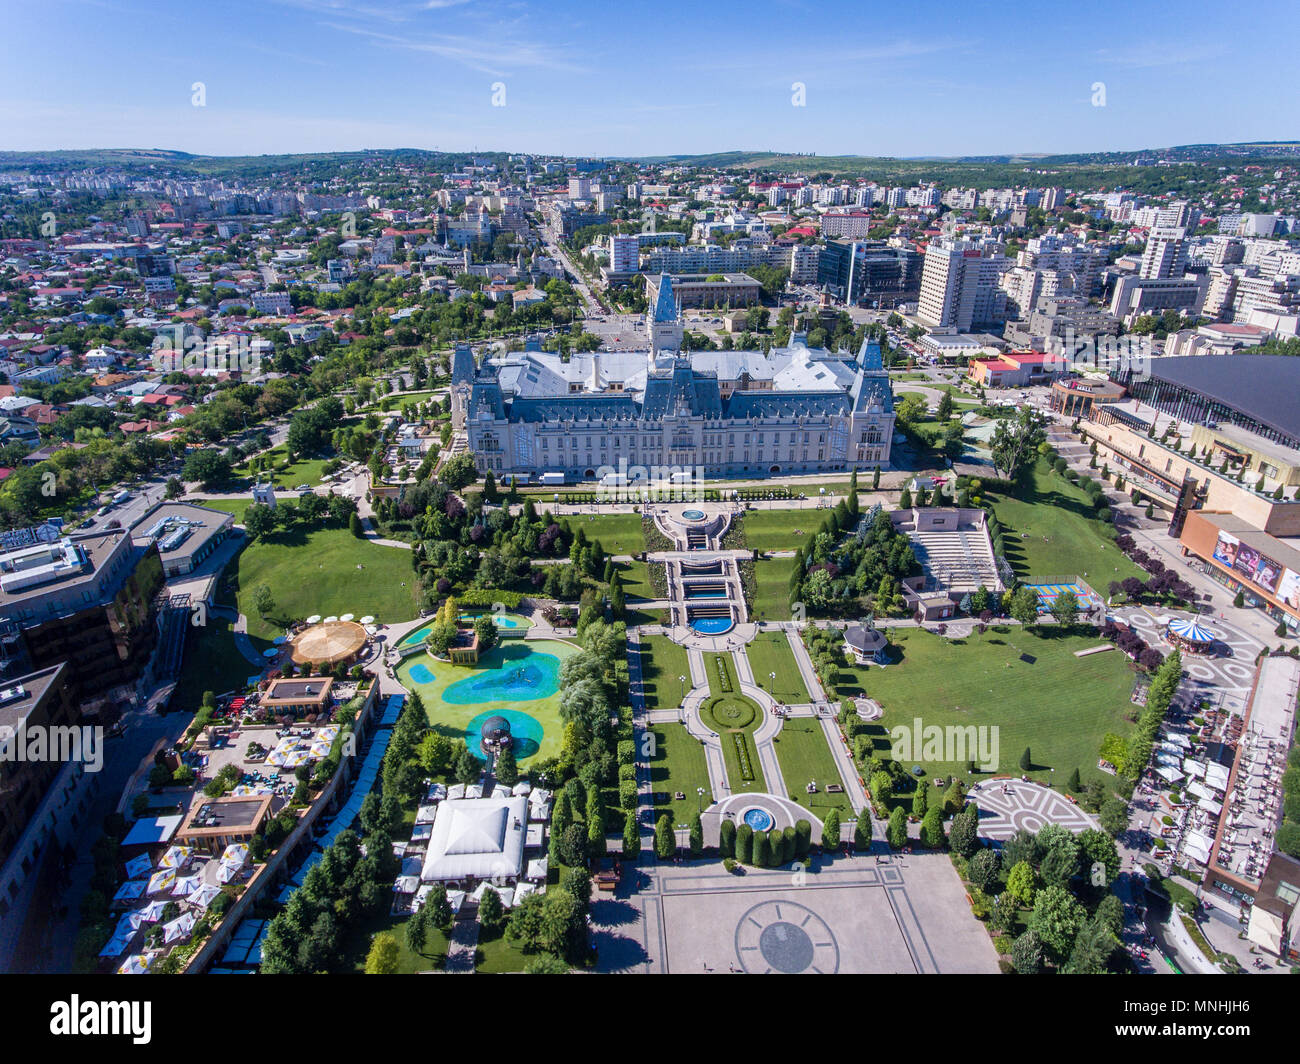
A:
(785, 937)
(1025, 805)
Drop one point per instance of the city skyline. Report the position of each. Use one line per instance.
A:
(329, 75)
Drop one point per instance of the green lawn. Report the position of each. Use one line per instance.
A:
(618, 533)
(212, 662)
(781, 529)
(303, 471)
(735, 718)
(662, 661)
(326, 571)
(238, 507)
(770, 653)
(424, 673)
(772, 598)
(636, 579)
(495, 955)
(358, 937)
(804, 757)
(1031, 687)
(1061, 535)
(678, 764)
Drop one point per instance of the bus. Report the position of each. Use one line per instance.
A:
(121, 497)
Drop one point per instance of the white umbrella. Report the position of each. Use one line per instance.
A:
(186, 885)
(314, 619)
(130, 890)
(136, 964)
(346, 617)
(367, 619)
(179, 928)
(163, 880)
(331, 618)
(176, 857)
(205, 895)
(138, 866)
(237, 851)
(151, 913)
(117, 945)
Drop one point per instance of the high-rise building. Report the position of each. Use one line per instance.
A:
(624, 253)
(1165, 255)
(959, 285)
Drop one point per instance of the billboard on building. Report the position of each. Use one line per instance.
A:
(1256, 568)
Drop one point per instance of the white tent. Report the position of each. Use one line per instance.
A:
(536, 869)
(406, 884)
(522, 890)
(136, 964)
(179, 928)
(1172, 775)
(187, 885)
(205, 895)
(138, 866)
(478, 837)
(176, 857)
(151, 913)
(131, 889)
(236, 853)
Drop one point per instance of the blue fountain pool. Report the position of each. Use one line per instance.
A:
(712, 625)
(693, 515)
(525, 732)
(758, 819)
(513, 680)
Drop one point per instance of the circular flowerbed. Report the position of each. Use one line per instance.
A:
(728, 713)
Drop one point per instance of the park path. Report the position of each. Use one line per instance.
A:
(461, 947)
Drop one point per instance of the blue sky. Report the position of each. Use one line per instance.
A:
(960, 77)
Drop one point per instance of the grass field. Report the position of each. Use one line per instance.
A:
(662, 661)
(423, 673)
(636, 579)
(678, 765)
(1060, 534)
(358, 938)
(772, 596)
(303, 471)
(770, 653)
(213, 663)
(325, 571)
(804, 757)
(618, 533)
(781, 529)
(1031, 687)
(727, 736)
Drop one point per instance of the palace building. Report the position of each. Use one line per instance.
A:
(794, 409)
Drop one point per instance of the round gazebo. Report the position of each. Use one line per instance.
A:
(329, 643)
(1189, 636)
(496, 735)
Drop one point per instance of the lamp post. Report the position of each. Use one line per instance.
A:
(771, 676)
(821, 501)
(682, 681)
(699, 804)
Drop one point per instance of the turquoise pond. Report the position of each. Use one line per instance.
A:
(421, 674)
(502, 621)
(535, 676)
(525, 732)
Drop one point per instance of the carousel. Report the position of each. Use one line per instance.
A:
(1189, 636)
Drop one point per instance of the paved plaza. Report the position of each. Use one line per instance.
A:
(1024, 805)
(866, 913)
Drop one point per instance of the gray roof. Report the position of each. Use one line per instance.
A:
(1263, 387)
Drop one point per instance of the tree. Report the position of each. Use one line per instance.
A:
(1024, 605)
(1114, 817)
(467, 768)
(417, 930)
(263, 600)
(862, 831)
(383, 955)
(896, 833)
(932, 829)
(920, 800)
(1099, 855)
(1065, 608)
(945, 406)
(665, 843)
(259, 520)
(505, 769)
(1015, 442)
(1057, 919)
(762, 849)
(1020, 883)
(491, 913)
(1093, 948)
(440, 913)
(963, 838)
(1027, 954)
(983, 868)
(355, 526)
(1074, 784)
(831, 830)
(745, 844)
(632, 835)
(696, 834)
(210, 467)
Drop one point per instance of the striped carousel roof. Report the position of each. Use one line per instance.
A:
(1191, 631)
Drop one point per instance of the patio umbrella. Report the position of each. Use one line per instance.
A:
(131, 889)
(205, 895)
(314, 619)
(136, 964)
(117, 945)
(138, 866)
(236, 852)
(270, 652)
(151, 913)
(346, 617)
(186, 886)
(179, 928)
(176, 857)
(331, 618)
(367, 619)
(163, 880)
